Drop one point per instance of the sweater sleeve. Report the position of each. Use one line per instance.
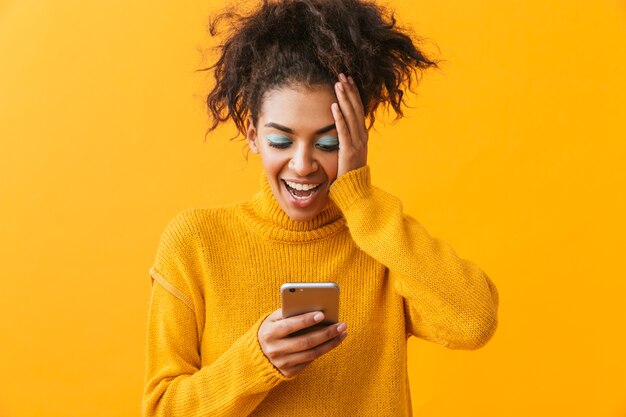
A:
(176, 383)
(448, 300)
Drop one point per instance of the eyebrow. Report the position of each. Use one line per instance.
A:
(288, 130)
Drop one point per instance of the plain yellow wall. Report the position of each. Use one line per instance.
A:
(513, 154)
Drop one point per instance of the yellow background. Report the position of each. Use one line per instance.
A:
(513, 154)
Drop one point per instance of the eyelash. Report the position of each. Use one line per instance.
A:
(322, 147)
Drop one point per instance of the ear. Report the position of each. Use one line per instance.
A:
(251, 134)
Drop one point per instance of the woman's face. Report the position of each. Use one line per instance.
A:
(298, 143)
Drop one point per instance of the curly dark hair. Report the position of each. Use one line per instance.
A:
(309, 42)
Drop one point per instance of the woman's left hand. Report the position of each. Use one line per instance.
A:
(350, 123)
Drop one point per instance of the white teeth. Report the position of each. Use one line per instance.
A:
(301, 186)
(297, 197)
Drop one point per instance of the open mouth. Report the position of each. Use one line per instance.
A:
(301, 194)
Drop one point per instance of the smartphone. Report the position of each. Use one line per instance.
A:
(303, 297)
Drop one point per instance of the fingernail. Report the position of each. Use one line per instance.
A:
(351, 80)
(340, 87)
(342, 77)
(341, 327)
(318, 316)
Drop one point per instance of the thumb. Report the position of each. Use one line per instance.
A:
(276, 315)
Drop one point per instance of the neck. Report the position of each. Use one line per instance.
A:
(266, 215)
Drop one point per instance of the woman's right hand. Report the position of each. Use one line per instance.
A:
(290, 355)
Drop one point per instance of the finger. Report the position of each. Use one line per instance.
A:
(354, 96)
(293, 371)
(358, 130)
(348, 113)
(312, 339)
(295, 359)
(289, 372)
(284, 327)
(360, 109)
(342, 127)
(276, 315)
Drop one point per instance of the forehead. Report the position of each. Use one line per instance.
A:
(298, 107)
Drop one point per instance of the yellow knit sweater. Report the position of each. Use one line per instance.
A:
(216, 277)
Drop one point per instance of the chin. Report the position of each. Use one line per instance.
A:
(297, 214)
(302, 217)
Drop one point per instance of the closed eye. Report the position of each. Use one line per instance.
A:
(328, 148)
(277, 140)
(279, 145)
(328, 143)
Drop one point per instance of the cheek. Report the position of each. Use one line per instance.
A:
(273, 161)
(330, 163)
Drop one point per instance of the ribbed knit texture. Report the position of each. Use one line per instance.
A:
(216, 277)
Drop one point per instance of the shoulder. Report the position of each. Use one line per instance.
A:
(194, 225)
(192, 220)
(180, 227)
(186, 243)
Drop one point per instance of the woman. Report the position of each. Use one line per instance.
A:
(294, 76)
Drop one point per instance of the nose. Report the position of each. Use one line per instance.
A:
(303, 162)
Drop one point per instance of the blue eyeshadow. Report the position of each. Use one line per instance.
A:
(328, 140)
(278, 138)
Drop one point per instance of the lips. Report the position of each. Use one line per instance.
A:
(295, 184)
(298, 192)
(301, 201)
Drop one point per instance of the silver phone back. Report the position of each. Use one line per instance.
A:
(303, 297)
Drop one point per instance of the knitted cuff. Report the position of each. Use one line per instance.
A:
(350, 187)
(267, 372)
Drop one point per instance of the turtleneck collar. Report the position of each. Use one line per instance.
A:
(266, 216)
